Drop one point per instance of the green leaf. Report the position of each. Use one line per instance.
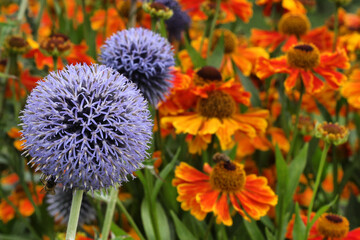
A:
(282, 177)
(163, 222)
(324, 112)
(321, 211)
(296, 168)
(269, 235)
(268, 223)
(181, 230)
(217, 56)
(352, 212)
(250, 87)
(163, 174)
(196, 58)
(146, 220)
(253, 230)
(299, 226)
(119, 232)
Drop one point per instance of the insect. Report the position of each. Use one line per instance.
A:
(220, 157)
(49, 184)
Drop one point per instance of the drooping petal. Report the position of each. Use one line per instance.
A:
(189, 174)
(207, 200)
(221, 211)
(267, 67)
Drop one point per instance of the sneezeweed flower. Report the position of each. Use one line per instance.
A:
(305, 124)
(303, 60)
(332, 133)
(144, 57)
(158, 10)
(203, 193)
(87, 126)
(19, 199)
(288, 5)
(231, 9)
(292, 27)
(59, 206)
(332, 226)
(16, 45)
(351, 89)
(57, 44)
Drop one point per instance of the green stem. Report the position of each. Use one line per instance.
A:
(336, 26)
(317, 183)
(152, 204)
(296, 130)
(163, 28)
(208, 229)
(132, 14)
(130, 219)
(74, 214)
(21, 12)
(109, 213)
(207, 27)
(336, 191)
(55, 60)
(213, 24)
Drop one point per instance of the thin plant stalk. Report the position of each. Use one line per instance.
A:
(74, 214)
(109, 213)
(132, 14)
(55, 60)
(130, 219)
(316, 187)
(213, 24)
(296, 130)
(336, 26)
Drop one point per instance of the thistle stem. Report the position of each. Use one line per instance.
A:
(130, 219)
(317, 183)
(74, 214)
(132, 14)
(109, 213)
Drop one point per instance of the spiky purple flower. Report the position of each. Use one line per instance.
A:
(144, 57)
(179, 22)
(87, 126)
(59, 206)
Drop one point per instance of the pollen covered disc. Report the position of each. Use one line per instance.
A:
(305, 56)
(228, 177)
(218, 105)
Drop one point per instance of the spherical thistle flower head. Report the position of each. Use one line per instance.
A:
(59, 206)
(332, 133)
(179, 22)
(86, 126)
(332, 226)
(142, 56)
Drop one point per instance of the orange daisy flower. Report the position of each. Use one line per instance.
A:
(217, 115)
(230, 8)
(351, 89)
(327, 226)
(203, 193)
(289, 5)
(303, 60)
(291, 27)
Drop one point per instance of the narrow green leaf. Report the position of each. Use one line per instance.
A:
(217, 56)
(119, 232)
(196, 58)
(250, 87)
(181, 230)
(163, 174)
(269, 235)
(253, 230)
(352, 212)
(163, 222)
(296, 168)
(321, 211)
(146, 220)
(268, 223)
(299, 226)
(324, 112)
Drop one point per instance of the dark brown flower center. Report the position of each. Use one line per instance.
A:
(305, 56)
(334, 218)
(228, 177)
(158, 6)
(217, 105)
(207, 74)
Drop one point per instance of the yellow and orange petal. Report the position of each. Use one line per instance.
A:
(6, 212)
(351, 89)
(197, 194)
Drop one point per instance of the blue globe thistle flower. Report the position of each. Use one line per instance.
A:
(179, 22)
(144, 57)
(86, 126)
(59, 206)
